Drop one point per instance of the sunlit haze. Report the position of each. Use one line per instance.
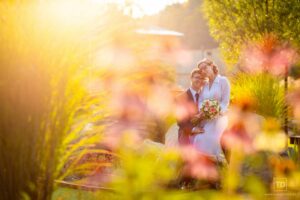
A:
(139, 8)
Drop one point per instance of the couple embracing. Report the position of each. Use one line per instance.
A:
(209, 91)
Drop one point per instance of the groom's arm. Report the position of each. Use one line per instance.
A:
(183, 112)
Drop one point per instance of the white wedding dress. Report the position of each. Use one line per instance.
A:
(209, 141)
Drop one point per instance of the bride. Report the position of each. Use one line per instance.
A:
(217, 88)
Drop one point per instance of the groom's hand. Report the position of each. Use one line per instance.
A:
(199, 115)
(197, 130)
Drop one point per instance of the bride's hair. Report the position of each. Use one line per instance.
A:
(210, 63)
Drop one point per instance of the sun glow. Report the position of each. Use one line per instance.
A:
(140, 8)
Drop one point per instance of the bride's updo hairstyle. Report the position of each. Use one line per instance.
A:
(208, 62)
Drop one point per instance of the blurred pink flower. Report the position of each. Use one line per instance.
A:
(269, 55)
(130, 113)
(127, 105)
(237, 137)
(184, 109)
(160, 100)
(281, 60)
(243, 127)
(123, 132)
(253, 60)
(198, 165)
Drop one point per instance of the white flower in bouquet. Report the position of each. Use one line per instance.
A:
(210, 108)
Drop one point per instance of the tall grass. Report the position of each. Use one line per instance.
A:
(265, 90)
(60, 66)
(44, 61)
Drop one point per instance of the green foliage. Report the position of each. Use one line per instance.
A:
(75, 194)
(265, 90)
(294, 71)
(145, 171)
(235, 23)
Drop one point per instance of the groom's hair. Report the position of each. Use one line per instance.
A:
(210, 63)
(195, 71)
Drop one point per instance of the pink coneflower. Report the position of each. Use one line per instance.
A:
(198, 165)
(268, 55)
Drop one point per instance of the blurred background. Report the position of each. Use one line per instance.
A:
(88, 88)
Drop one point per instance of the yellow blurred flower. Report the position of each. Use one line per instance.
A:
(271, 125)
(275, 142)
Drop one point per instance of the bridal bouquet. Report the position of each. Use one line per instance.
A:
(210, 108)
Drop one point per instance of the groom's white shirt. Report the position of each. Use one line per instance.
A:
(194, 93)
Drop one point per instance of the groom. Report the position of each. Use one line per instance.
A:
(188, 102)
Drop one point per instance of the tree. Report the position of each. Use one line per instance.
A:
(235, 23)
